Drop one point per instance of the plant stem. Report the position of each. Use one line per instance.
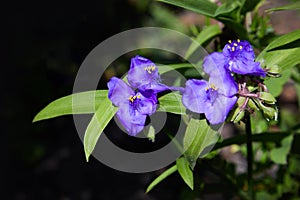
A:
(249, 156)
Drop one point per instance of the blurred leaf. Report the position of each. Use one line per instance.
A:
(78, 103)
(279, 155)
(101, 118)
(226, 8)
(275, 85)
(166, 18)
(292, 6)
(283, 40)
(198, 135)
(185, 171)
(171, 103)
(249, 5)
(204, 36)
(149, 132)
(203, 7)
(161, 177)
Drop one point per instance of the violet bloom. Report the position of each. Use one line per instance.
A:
(237, 56)
(133, 106)
(215, 98)
(143, 75)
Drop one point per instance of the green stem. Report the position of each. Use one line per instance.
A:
(249, 156)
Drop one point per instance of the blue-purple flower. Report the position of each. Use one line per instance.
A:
(215, 98)
(133, 106)
(238, 57)
(143, 75)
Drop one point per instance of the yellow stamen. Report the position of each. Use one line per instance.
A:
(229, 41)
(235, 44)
(241, 47)
(133, 98)
(238, 40)
(232, 48)
(150, 69)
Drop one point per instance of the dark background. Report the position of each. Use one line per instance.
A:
(42, 48)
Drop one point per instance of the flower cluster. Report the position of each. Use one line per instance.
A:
(214, 97)
(217, 96)
(138, 99)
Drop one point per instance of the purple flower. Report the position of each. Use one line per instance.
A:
(143, 75)
(133, 106)
(237, 56)
(215, 98)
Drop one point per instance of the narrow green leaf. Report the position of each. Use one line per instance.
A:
(166, 68)
(101, 118)
(171, 103)
(279, 155)
(204, 36)
(284, 40)
(185, 171)
(161, 177)
(292, 6)
(78, 103)
(226, 8)
(198, 135)
(203, 7)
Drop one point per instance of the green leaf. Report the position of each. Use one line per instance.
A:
(101, 118)
(283, 40)
(204, 36)
(78, 103)
(161, 177)
(164, 17)
(171, 103)
(185, 171)
(292, 6)
(279, 155)
(203, 7)
(226, 8)
(198, 135)
(166, 68)
(249, 5)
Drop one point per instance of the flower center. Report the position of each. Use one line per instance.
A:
(234, 46)
(132, 98)
(212, 93)
(150, 69)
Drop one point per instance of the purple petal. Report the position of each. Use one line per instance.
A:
(217, 112)
(146, 105)
(224, 83)
(194, 96)
(214, 64)
(246, 67)
(132, 120)
(118, 91)
(142, 72)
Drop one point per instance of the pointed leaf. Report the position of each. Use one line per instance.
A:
(292, 6)
(102, 116)
(203, 7)
(83, 104)
(185, 171)
(161, 177)
(198, 135)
